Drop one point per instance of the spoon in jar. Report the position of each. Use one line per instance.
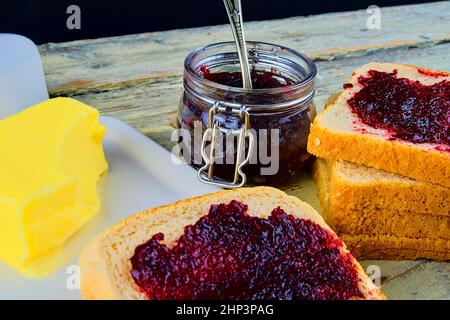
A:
(234, 11)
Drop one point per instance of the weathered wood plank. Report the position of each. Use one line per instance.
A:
(104, 64)
(151, 106)
(413, 280)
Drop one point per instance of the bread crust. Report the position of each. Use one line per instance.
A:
(373, 233)
(101, 279)
(95, 280)
(372, 150)
(397, 248)
(430, 166)
(400, 207)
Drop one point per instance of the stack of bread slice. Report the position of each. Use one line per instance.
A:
(387, 198)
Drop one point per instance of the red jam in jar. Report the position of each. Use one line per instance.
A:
(260, 79)
(280, 108)
(229, 254)
(408, 110)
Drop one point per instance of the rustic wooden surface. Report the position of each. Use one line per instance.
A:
(138, 79)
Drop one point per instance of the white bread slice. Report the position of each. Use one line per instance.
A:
(357, 187)
(361, 188)
(336, 134)
(105, 262)
(367, 208)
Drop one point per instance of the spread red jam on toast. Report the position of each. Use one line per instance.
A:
(229, 254)
(407, 109)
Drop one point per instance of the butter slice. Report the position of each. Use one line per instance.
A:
(51, 157)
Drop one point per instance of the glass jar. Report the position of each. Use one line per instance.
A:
(263, 131)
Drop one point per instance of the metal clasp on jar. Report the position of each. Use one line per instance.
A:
(206, 173)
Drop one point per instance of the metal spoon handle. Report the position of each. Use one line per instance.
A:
(234, 10)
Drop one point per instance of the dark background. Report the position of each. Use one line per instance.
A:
(45, 20)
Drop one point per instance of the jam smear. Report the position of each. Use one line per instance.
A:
(407, 109)
(229, 254)
(260, 79)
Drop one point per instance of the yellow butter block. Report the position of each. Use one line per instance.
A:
(51, 157)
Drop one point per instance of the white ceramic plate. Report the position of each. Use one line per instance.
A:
(141, 175)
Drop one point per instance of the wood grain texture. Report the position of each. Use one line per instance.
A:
(151, 106)
(96, 64)
(138, 79)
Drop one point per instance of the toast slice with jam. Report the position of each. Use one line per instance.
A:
(391, 117)
(250, 243)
